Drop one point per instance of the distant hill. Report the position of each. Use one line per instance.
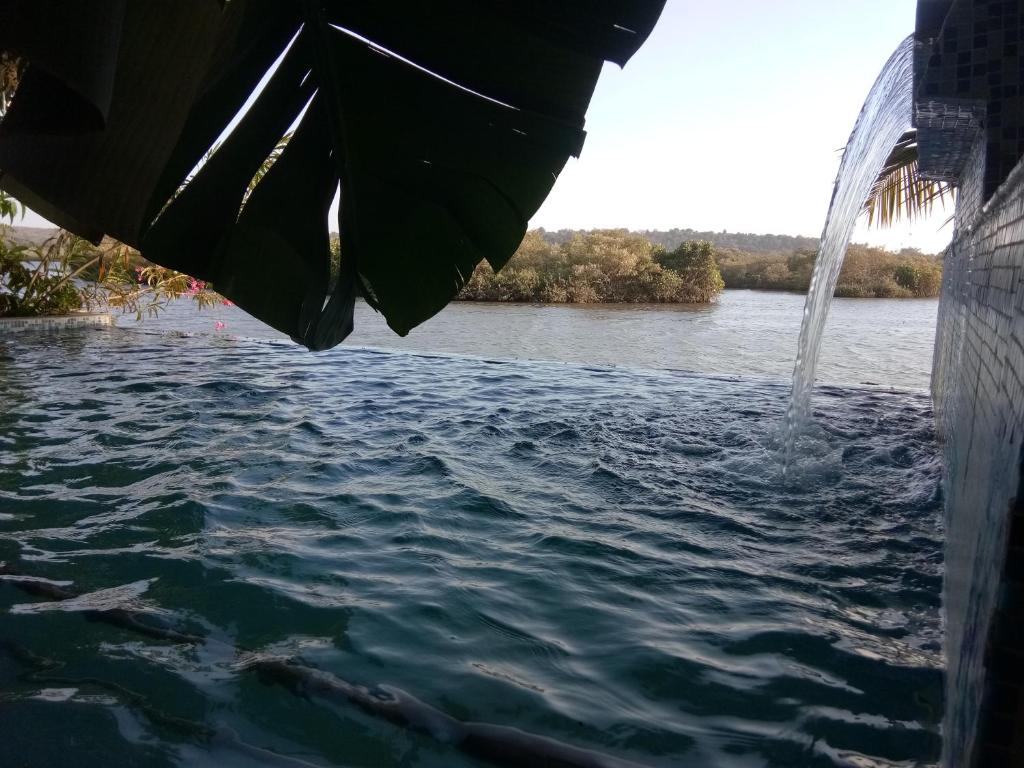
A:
(740, 241)
(669, 239)
(31, 235)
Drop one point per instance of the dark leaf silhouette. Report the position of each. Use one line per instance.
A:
(444, 124)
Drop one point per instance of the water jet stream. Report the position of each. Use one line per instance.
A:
(884, 118)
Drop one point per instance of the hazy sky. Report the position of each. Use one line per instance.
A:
(731, 117)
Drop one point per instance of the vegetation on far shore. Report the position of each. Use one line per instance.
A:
(867, 273)
(618, 266)
(603, 266)
(63, 273)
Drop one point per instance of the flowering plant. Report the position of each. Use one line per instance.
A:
(124, 281)
(67, 273)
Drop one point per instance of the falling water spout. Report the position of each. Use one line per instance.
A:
(885, 117)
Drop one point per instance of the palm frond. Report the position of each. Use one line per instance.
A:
(900, 191)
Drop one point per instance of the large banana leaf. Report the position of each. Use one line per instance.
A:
(445, 125)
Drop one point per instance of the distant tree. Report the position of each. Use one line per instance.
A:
(670, 239)
(801, 267)
(694, 261)
(640, 267)
(866, 273)
(920, 276)
(610, 265)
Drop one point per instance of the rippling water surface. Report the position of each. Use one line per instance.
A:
(751, 333)
(606, 557)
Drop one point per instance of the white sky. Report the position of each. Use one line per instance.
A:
(731, 117)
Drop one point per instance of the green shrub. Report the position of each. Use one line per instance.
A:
(67, 273)
(694, 262)
(27, 290)
(866, 273)
(600, 266)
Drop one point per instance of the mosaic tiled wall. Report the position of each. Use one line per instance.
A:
(55, 323)
(978, 385)
(971, 74)
(969, 112)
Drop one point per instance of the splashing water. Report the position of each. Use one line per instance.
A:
(883, 119)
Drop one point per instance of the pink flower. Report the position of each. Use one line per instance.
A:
(219, 326)
(195, 286)
(228, 303)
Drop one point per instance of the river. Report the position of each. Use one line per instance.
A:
(748, 333)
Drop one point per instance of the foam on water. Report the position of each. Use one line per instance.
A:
(883, 119)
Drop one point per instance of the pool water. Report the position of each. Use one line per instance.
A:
(608, 557)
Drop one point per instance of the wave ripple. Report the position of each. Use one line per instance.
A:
(606, 557)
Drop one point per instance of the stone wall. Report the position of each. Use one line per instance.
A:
(978, 386)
